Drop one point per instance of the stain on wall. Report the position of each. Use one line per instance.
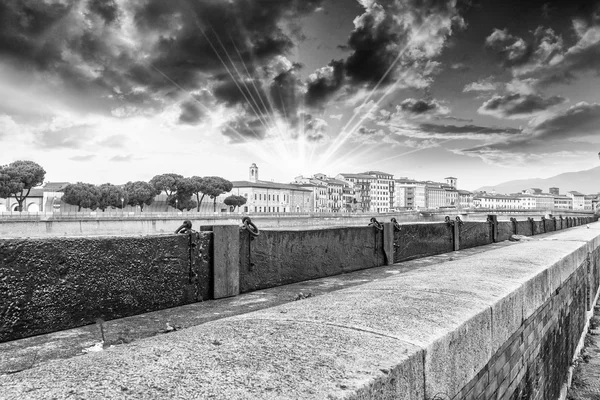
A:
(283, 257)
(473, 234)
(422, 240)
(52, 284)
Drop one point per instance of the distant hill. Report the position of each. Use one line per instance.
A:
(587, 182)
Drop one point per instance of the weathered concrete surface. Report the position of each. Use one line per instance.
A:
(35, 351)
(474, 234)
(355, 340)
(57, 283)
(421, 240)
(505, 230)
(277, 258)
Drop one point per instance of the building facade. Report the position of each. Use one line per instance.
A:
(382, 191)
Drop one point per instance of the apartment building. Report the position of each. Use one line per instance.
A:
(497, 201)
(382, 191)
(578, 200)
(564, 203)
(361, 185)
(435, 195)
(465, 199)
(409, 194)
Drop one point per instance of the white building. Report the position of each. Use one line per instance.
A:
(382, 191)
(497, 202)
(271, 197)
(578, 200)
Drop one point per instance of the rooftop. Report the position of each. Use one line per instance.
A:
(267, 185)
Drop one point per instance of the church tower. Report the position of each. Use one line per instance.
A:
(451, 181)
(253, 173)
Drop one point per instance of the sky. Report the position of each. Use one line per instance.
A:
(121, 90)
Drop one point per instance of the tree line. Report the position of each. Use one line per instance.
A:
(18, 178)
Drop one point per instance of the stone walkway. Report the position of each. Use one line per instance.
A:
(23, 354)
(586, 377)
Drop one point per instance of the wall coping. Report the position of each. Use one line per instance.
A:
(424, 332)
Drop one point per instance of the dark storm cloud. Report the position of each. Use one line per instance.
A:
(248, 94)
(512, 50)
(107, 9)
(324, 83)
(466, 129)
(517, 105)
(581, 119)
(244, 128)
(285, 95)
(96, 52)
(543, 54)
(418, 106)
(383, 34)
(191, 113)
(204, 34)
(578, 121)
(366, 131)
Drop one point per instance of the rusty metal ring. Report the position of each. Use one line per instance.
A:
(376, 224)
(185, 227)
(250, 227)
(458, 221)
(396, 225)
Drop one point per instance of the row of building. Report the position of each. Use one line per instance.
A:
(534, 198)
(370, 191)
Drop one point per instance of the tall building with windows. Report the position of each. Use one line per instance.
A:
(362, 185)
(409, 194)
(382, 192)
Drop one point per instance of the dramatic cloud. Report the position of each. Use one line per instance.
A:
(512, 49)
(419, 107)
(580, 120)
(555, 132)
(545, 57)
(244, 128)
(145, 55)
(191, 113)
(324, 82)
(482, 85)
(516, 105)
(392, 35)
(315, 129)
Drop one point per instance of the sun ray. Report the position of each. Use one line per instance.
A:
(345, 134)
(256, 149)
(241, 78)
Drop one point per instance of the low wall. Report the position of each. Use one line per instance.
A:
(84, 224)
(277, 258)
(50, 284)
(58, 283)
(502, 324)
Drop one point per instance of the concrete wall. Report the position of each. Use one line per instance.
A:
(502, 324)
(282, 257)
(52, 284)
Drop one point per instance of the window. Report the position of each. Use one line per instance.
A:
(254, 196)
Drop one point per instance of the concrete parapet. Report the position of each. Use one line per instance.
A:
(479, 327)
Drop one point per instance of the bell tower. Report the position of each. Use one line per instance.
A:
(451, 181)
(253, 173)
